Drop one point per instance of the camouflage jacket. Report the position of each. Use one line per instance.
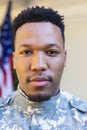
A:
(61, 112)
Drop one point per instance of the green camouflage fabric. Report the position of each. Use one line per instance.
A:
(61, 112)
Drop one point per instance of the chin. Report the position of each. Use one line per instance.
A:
(39, 97)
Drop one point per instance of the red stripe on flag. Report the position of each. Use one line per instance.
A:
(5, 79)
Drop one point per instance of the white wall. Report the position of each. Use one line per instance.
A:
(75, 74)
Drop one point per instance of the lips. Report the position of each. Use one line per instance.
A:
(39, 81)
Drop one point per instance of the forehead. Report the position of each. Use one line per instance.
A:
(40, 31)
(41, 25)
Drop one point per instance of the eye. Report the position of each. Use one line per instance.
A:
(26, 52)
(52, 52)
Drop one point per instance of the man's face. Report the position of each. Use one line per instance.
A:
(39, 59)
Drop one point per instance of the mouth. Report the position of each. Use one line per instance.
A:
(39, 81)
(39, 78)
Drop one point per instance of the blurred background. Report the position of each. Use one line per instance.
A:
(74, 77)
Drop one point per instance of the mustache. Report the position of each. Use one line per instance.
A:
(39, 75)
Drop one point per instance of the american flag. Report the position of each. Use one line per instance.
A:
(6, 82)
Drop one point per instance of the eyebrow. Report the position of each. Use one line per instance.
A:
(52, 44)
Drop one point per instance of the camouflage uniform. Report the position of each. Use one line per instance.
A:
(61, 112)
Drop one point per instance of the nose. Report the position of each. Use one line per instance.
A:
(38, 62)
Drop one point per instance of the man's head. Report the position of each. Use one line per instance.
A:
(39, 55)
(38, 14)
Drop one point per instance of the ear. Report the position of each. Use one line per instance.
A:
(65, 52)
(13, 58)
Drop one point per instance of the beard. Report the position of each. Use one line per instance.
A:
(38, 98)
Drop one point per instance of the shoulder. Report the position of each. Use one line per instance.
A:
(79, 104)
(5, 101)
(75, 102)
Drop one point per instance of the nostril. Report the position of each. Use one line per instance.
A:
(38, 67)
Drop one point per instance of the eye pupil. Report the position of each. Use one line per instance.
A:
(26, 52)
(52, 53)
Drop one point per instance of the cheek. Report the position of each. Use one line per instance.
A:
(57, 67)
(21, 67)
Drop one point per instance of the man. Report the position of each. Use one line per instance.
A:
(39, 58)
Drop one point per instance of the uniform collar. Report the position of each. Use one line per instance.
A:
(22, 103)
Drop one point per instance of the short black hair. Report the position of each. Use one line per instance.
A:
(38, 14)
